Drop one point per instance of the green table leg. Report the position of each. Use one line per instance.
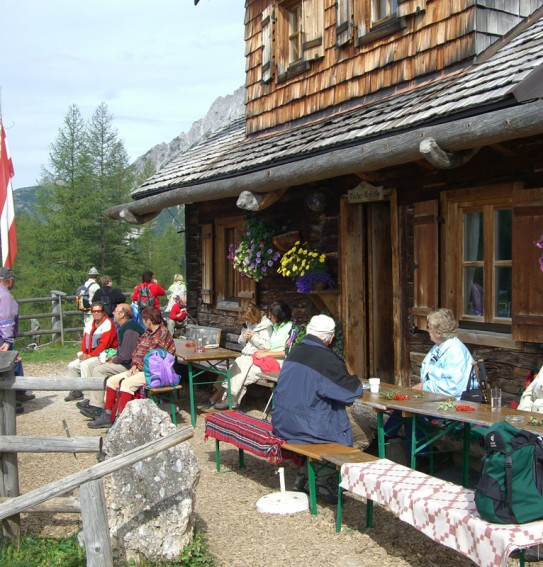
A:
(339, 514)
(369, 514)
(465, 461)
(381, 435)
(191, 396)
(241, 458)
(312, 487)
(217, 456)
(228, 388)
(413, 442)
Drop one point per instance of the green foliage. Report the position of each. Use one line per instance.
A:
(49, 552)
(43, 552)
(49, 353)
(65, 232)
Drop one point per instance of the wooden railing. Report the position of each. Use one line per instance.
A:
(62, 316)
(91, 503)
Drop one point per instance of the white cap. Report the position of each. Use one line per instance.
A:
(321, 325)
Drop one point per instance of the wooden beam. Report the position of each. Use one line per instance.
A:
(455, 136)
(51, 384)
(95, 525)
(62, 505)
(250, 201)
(442, 159)
(36, 444)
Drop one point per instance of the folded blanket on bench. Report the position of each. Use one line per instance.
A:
(245, 432)
(445, 512)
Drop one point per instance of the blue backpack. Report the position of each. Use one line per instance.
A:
(158, 369)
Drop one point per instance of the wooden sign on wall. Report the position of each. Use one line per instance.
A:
(367, 193)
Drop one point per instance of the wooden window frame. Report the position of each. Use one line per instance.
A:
(308, 36)
(244, 289)
(487, 200)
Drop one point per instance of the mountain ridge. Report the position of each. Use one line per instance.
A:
(222, 111)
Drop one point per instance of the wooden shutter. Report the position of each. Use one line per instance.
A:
(267, 28)
(313, 27)
(246, 291)
(207, 263)
(425, 257)
(527, 276)
(343, 22)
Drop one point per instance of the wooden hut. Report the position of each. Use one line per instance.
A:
(404, 140)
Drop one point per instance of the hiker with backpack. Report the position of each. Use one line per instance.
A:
(84, 295)
(146, 294)
(125, 385)
(109, 296)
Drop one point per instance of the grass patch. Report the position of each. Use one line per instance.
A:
(50, 552)
(49, 353)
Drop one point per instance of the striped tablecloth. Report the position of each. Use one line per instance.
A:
(245, 432)
(443, 511)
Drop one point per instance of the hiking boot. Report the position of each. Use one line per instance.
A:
(73, 395)
(91, 411)
(83, 404)
(224, 405)
(301, 482)
(327, 489)
(24, 397)
(101, 421)
(207, 408)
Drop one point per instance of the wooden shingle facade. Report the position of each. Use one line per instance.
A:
(403, 139)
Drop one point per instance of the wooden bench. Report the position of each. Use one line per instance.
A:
(443, 511)
(255, 435)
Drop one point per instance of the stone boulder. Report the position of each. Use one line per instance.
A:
(151, 503)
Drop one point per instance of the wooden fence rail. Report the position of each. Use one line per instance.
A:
(62, 306)
(91, 503)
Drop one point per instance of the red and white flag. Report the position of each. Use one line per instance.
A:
(7, 220)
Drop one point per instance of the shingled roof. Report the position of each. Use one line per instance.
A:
(488, 85)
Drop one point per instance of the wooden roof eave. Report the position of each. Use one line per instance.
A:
(461, 135)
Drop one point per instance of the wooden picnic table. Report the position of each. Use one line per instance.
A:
(427, 406)
(215, 360)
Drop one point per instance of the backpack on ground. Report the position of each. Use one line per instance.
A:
(158, 369)
(510, 490)
(82, 298)
(145, 298)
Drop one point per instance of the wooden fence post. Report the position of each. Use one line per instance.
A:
(9, 474)
(95, 524)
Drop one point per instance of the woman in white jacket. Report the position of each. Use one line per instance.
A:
(255, 335)
(532, 397)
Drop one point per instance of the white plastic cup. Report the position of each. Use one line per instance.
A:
(374, 385)
(495, 399)
(102, 357)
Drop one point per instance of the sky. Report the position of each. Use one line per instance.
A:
(158, 65)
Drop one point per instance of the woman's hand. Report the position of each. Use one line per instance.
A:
(132, 371)
(261, 353)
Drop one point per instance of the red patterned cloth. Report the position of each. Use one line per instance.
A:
(247, 433)
(445, 512)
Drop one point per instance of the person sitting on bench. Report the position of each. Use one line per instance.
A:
(313, 389)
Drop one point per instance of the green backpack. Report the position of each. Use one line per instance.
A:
(510, 490)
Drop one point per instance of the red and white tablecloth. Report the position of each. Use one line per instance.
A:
(443, 511)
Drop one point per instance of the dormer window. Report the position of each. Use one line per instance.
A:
(382, 9)
(298, 32)
(295, 33)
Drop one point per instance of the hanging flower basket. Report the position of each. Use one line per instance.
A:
(254, 256)
(306, 267)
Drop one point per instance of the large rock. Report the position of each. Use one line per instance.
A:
(151, 503)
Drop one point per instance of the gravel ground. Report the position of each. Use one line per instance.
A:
(236, 532)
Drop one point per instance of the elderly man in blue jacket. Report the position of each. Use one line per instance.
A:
(313, 389)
